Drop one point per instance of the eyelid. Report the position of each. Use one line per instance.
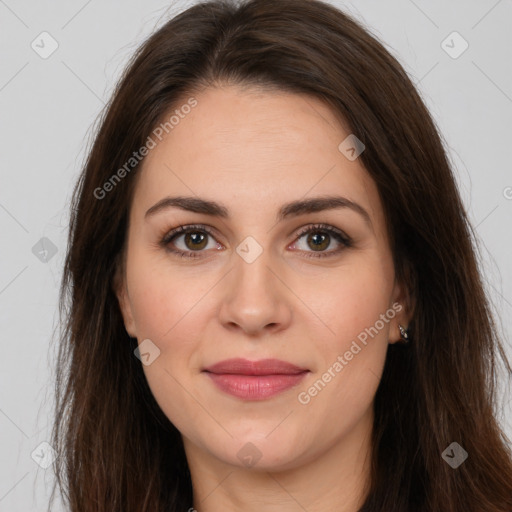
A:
(342, 238)
(183, 229)
(166, 239)
(338, 234)
(322, 227)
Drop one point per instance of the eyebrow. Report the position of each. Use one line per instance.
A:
(292, 209)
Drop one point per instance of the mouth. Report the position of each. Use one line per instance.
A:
(255, 380)
(241, 366)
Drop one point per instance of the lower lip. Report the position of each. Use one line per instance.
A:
(255, 387)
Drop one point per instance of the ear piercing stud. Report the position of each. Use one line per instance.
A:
(404, 335)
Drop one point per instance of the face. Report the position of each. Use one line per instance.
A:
(261, 276)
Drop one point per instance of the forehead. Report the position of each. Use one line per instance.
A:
(254, 151)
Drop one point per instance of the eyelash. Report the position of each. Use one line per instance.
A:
(323, 228)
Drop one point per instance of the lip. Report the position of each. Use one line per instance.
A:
(255, 380)
(242, 366)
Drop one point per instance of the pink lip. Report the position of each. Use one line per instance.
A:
(255, 380)
(241, 366)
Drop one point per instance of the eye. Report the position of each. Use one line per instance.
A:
(319, 237)
(194, 238)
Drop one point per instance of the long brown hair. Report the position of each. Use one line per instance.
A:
(117, 450)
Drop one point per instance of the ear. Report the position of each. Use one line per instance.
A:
(403, 303)
(121, 291)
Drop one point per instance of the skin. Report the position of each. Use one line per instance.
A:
(253, 151)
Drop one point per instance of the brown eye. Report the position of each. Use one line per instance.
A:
(189, 241)
(195, 240)
(319, 238)
(318, 242)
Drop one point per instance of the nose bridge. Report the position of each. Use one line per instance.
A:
(252, 275)
(254, 297)
(252, 253)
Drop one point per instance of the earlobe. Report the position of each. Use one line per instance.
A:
(399, 332)
(120, 289)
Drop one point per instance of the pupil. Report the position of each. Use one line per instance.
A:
(196, 239)
(319, 243)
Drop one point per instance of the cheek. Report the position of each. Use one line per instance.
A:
(162, 301)
(355, 312)
(167, 310)
(350, 302)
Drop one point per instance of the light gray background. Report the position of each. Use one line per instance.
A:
(47, 110)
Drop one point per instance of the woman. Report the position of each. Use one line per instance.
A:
(274, 298)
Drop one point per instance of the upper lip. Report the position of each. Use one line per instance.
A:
(241, 366)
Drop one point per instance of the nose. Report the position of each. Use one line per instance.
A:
(255, 299)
